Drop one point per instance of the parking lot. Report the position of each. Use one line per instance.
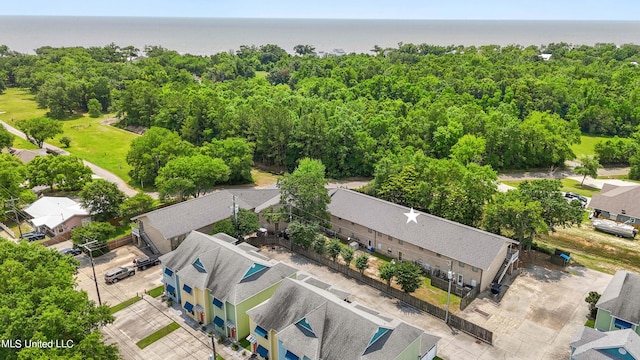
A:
(113, 294)
(536, 318)
(146, 316)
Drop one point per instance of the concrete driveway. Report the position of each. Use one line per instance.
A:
(536, 319)
(113, 294)
(540, 312)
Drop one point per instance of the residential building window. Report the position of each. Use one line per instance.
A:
(474, 269)
(400, 242)
(217, 303)
(261, 332)
(438, 255)
(369, 230)
(168, 272)
(379, 246)
(339, 230)
(379, 233)
(187, 288)
(390, 238)
(421, 249)
(461, 264)
(389, 251)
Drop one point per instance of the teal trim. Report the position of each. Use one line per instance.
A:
(198, 265)
(304, 324)
(381, 331)
(254, 269)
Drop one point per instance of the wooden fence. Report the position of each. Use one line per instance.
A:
(468, 327)
(57, 239)
(125, 240)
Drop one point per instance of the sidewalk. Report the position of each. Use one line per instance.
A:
(149, 315)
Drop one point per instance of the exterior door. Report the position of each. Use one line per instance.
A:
(400, 255)
(202, 317)
(460, 278)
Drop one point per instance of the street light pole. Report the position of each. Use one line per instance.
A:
(95, 279)
(449, 276)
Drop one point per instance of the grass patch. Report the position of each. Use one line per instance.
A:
(590, 323)
(514, 183)
(155, 292)
(570, 185)
(619, 177)
(19, 104)
(20, 143)
(103, 145)
(157, 335)
(114, 309)
(121, 230)
(263, 178)
(245, 344)
(262, 74)
(437, 296)
(586, 145)
(379, 256)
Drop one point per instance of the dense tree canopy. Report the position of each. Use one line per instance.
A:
(63, 172)
(39, 302)
(350, 111)
(102, 199)
(186, 176)
(304, 190)
(6, 138)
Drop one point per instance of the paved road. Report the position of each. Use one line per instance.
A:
(98, 171)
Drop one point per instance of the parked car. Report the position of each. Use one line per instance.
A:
(576, 197)
(32, 236)
(144, 262)
(114, 275)
(70, 251)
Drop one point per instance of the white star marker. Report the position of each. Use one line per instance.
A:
(412, 216)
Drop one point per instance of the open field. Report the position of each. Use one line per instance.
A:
(586, 144)
(263, 178)
(18, 104)
(619, 177)
(103, 145)
(595, 250)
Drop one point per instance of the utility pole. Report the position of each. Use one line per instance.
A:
(450, 277)
(15, 214)
(213, 345)
(95, 279)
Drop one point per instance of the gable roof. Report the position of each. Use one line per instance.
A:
(180, 218)
(614, 199)
(464, 243)
(590, 344)
(227, 274)
(339, 330)
(53, 211)
(621, 296)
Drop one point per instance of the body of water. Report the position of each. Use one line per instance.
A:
(211, 35)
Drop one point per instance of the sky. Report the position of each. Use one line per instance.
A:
(333, 9)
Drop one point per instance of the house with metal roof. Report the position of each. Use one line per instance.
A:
(620, 203)
(216, 282)
(590, 344)
(476, 257)
(56, 215)
(167, 227)
(619, 304)
(304, 321)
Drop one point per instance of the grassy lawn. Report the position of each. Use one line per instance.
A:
(595, 250)
(437, 296)
(155, 292)
(619, 177)
(121, 231)
(570, 185)
(245, 344)
(103, 145)
(263, 178)
(18, 104)
(157, 335)
(114, 309)
(590, 323)
(586, 145)
(20, 143)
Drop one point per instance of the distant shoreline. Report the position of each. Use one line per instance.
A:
(208, 36)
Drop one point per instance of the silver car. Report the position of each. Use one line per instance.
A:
(112, 276)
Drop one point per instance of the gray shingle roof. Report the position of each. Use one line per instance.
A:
(614, 199)
(197, 213)
(225, 267)
(589, 343)
(340, 330)
(621, 296)
(460, 242)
